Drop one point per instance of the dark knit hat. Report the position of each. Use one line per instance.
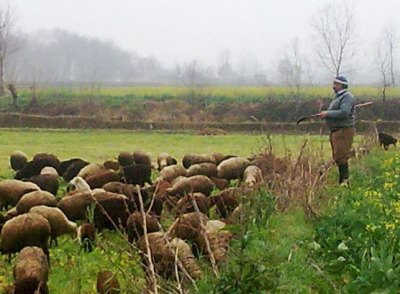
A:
(341, 80)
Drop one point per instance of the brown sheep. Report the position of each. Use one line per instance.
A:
(171, 172)
(186, 205)
(191, 158)
(164, 160)
(130, 191)
(47, 159)
(163, 254)
(221, 184)
(87, 236)
(137, 174)
(112, 165)
(31, 271)
(28, 229)
(252, 175)
(49, 170)
(75, 206)
(188, 226)
(125, 159)
(142, 158)
(227, 200)
(134, 225)
(157, 195)
(102, 178)
(232, 168)
(35, 198)
(206, 168)
(191, 185)
(107, 283)
(217, 238)
(39, 161)
(59, 223)
(72, 169)
(46, 182)
(111, 210)
(12, 190)
(18, 159)
(90, 170)
(65, 164)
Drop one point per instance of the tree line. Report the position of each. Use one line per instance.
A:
(62, 57)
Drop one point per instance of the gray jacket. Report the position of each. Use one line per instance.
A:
(340, 112)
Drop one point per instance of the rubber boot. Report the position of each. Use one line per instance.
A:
(343, 173)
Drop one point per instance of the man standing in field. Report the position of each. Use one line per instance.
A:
(340, 120)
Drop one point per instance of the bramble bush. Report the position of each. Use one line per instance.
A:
(359, 237)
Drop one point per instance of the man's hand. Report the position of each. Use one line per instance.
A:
(323, 114)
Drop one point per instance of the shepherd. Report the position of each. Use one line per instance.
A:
(340, 120)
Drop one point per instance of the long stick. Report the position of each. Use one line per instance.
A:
(317, 114)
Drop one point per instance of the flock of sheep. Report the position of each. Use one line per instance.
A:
(122, 195)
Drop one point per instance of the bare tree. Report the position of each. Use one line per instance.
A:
(7, 46)
(334, 33)
(292, 66)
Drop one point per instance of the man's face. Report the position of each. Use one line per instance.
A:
(337, 87)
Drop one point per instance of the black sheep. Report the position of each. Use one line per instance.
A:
(385, 140)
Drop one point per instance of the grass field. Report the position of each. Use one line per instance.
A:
(101, 145)
(74, 271)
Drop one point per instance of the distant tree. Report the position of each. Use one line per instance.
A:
(334, 28)
(290, 66)
(192, 74)
(386, 46)
(7, 40)
(224, 70)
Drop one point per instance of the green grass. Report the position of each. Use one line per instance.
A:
(101, 145)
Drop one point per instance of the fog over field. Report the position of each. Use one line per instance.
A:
(229, 40)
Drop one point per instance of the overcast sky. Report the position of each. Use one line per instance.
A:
(176, 31)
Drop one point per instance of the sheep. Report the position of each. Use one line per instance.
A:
(187, 226)
(217, 239)
(28, 229)
(18, 159)
(192, 184)
(226, 201)
(102, 178)
(87, 236)
(142, 158)
(186, 205)
(134, 225)
(35, 198)
(75, 207)
(49, 170)
(252, 175)
(221, 184)
(156, 195)
(171, 172)
(164, 160)
(107, 283)
(46, 182)
(125, 159)
(386, 140)
(129, 190)
(137, 174)
(191, 158)
(163, 251)
(73, 167)
(90, 170)
(111, 210)
(31, 271)
(232, 168)
(112, 165)
(206, 168)
(47, 159)
(59, 223)
(12, 190)
(65, 164)
(78, 184)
